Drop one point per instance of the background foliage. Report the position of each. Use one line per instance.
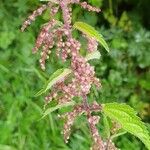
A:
(124, 72)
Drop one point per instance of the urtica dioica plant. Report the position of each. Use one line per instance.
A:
(67, 84)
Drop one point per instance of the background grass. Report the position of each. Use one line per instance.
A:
(124, 72)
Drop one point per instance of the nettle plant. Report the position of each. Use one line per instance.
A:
(71, 86)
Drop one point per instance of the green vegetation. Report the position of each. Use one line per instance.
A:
(124, 72)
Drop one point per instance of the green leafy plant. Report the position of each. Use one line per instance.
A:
(129, 121)
(75, 82)
(54, 78)
(91, 32)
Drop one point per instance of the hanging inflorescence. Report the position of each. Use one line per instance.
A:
(55, 33)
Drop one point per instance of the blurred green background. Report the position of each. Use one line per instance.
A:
(124, 72)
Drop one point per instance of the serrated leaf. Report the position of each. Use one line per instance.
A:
(91, 32)
(127, 118)
(93, 55)
(54, 78)
(49, 110)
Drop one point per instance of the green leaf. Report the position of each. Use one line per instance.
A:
(6, 147)
(3, 68)
(6, 39)
(56, 26)
(93, 55)
(49, 110)
(91, 32)
(127, 118)
(106, 126)
(118, 134)
(54, 78)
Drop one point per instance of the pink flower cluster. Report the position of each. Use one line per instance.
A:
(32, 17)
(98, 143)
(83, 75)
(109, 145)
(92, 44)
(71, 116)
(89, 7)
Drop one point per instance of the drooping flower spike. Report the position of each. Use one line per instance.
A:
(83, 75)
